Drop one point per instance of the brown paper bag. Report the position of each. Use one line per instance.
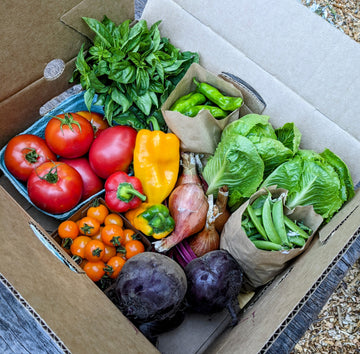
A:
(262, 266)
(199, 134)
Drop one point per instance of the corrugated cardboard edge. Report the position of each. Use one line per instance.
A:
(35, 315)
(114, 10)
(57, 293)
(255, 322)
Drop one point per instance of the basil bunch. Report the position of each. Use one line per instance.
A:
(130, 69)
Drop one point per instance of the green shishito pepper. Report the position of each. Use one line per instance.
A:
(227, 103)
(215, 111)
(185, 102)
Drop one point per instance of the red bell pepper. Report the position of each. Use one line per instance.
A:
(123, 192)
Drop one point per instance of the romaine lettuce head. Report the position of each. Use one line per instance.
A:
(274, 149)
(310, 180)
(249, 125)
(237, 164)
(290, 136)
(347, 184)
(272, 152)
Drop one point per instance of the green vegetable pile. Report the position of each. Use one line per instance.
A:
(252, 154)
(130, 70)
(209, 98)
(266, 225)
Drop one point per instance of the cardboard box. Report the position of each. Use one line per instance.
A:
(306, 72)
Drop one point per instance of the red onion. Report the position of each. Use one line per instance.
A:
(188, 206)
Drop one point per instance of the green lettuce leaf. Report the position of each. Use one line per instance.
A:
(272, 149)
(290, 136)
(310, 180)
(237, 164)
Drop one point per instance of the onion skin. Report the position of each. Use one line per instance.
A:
(224, 213)
(188, 206)
(189, 174)
(208, 239)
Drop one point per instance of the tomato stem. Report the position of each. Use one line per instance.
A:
(50, 177)
(31, 156)
(69, 121)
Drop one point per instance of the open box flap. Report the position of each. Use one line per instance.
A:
(60, 292)
(33, 37)
(285, 102)
(117, 11)
(297, 47)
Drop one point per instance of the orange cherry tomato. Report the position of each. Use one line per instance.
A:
(133, 247)
(109, 251)
(95, 270)
(96, 119)
(89, 226)
(98, 212)
(68, 229)
(129, 235)
(97, 236)
(94, 250)
(114, 266)
(77, 248)
(112, 235)
(114, 218)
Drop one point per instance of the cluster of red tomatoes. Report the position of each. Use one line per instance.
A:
(99, 242)
(70, 164)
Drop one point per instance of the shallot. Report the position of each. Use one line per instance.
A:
(221, 203)
(188, 206)
(207, 239)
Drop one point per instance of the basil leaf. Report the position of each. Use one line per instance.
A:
(123, 72)
(144, 103)
(100, 30)
(81, 63)
(142, 80)
(108, 109)
(89, 97)
(118, 97)
(96, 84)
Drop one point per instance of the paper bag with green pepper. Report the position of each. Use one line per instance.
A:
(200, 107)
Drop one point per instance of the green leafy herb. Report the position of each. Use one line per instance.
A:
(129, 67)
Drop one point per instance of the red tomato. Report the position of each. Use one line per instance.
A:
(92, 182)
(25, 152)
(55, 187)
(96, 119)
(112, 150)
(69, 135)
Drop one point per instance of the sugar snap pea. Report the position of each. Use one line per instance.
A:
(256, 221)
(297, 240)
(268, 222)
(267, 245)
(294, 227)
(279, 223)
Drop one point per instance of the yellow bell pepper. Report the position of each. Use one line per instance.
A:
(156, 163)
(151, 219)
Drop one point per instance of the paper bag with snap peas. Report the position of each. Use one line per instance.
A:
(201, 133)
(262, 265)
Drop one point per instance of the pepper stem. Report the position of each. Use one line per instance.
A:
(126, 192)
(153, 123)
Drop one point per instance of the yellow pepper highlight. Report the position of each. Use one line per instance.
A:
(156, 163)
